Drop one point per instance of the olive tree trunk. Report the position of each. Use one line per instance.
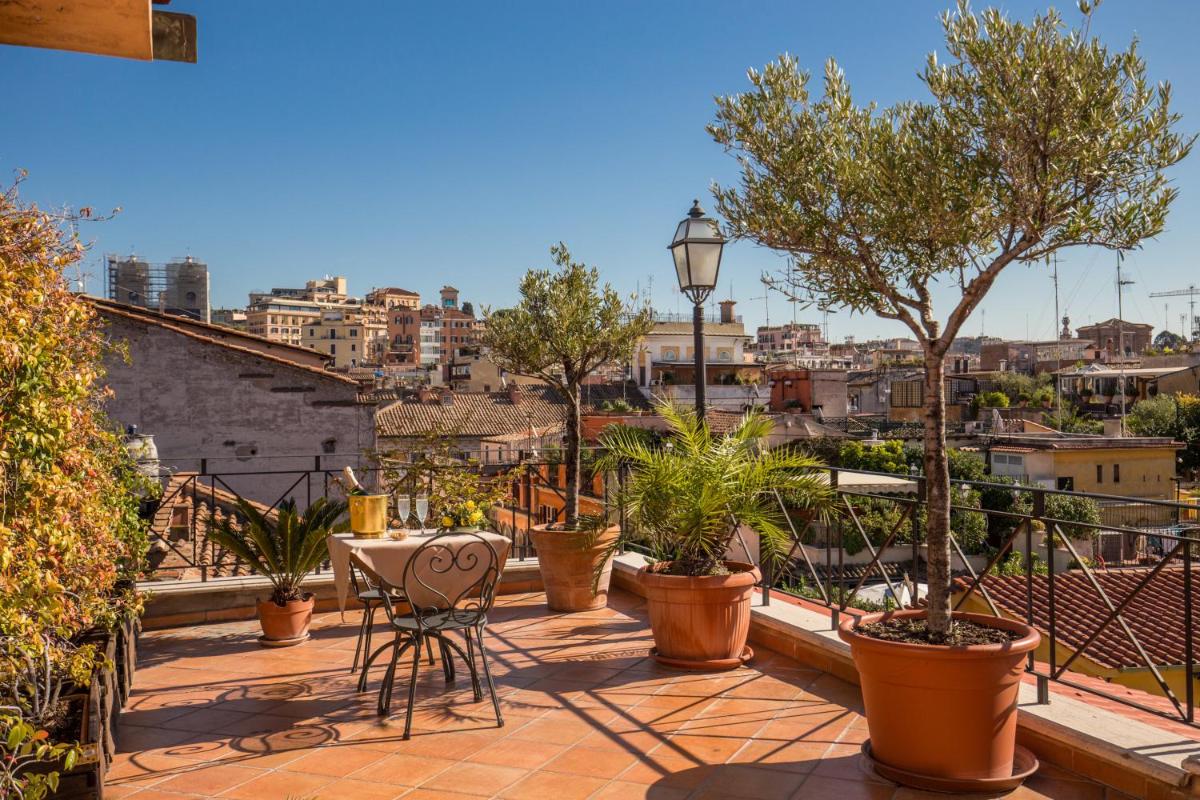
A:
(937, 495)
(572, 458)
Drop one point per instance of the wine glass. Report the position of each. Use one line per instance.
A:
(422, 509)
(403, 509)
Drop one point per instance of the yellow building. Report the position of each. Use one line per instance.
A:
(1132, 466)
(353, 336)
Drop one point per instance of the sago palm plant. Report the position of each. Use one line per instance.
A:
(285, 549)
(688, 495)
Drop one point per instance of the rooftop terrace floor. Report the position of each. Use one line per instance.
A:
(588, 715)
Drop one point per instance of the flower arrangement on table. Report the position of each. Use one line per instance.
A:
(462, 498)
(463, 515)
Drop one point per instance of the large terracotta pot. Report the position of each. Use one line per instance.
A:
(285, 625)
(940, 716)
(569, 561)
(700, 623)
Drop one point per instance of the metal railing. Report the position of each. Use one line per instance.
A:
(868, 556)
(194, 500)
(1139, 547)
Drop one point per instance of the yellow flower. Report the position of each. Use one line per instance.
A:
(477, 517)
(447, 522)
(470, 505)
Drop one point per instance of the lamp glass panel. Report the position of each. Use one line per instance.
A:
(704, 258)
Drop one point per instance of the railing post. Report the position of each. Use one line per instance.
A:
(834, 612)
(1039, 512)
(1188, 644)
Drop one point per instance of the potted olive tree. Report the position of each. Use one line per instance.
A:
(1035, 138)
(565, 328)
(688, 497)
(285, 547)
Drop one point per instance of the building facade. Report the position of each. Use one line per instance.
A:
(1117, 337)
(220, 402)
(352, 336)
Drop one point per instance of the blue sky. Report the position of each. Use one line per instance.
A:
(416, 145)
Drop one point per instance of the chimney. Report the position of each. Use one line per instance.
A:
(426, 395)
(447, 396)
(727, 310)
(515, 395)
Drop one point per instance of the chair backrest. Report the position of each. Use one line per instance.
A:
(451, 577)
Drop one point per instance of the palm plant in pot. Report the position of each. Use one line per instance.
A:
(285, 547)
(1034, 138)
(689, 498)
(565, 328)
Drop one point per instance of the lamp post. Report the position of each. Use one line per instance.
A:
(696, 249)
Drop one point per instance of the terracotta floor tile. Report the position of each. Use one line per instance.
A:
(667, 769)
(594, 763)
(552, 786)
(818, 787)
(753, 781)
(402, 770)
(211, 779)
(335, 762)
(350, 789)
(621, 790)
(279, 783)
(518, 753)
(476, 779)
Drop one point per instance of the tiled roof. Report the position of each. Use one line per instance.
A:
(1078, 441)
(1155, 615)
(491, 413)
(170, 323)
(213, 331)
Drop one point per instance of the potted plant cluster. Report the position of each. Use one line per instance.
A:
(884, 211)
(284, 546)
(565, 328)
(687, 497)
(72, 543)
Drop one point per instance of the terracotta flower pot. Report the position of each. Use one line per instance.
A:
(285, 625)
(945, 714)
(700, 623)
(568, 561)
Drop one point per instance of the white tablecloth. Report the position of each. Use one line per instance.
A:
(387, 558)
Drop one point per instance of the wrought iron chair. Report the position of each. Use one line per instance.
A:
(449, 585)
(367, 589)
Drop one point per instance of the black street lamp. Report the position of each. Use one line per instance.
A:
(696, 249)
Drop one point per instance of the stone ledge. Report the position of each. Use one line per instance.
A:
(1122, 752)
(172, 604)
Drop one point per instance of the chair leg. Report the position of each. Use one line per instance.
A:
(447, 659)
(412, 685)
(364, 635)
(488, 674)
(358, 643)
(389, 678)
(471, 663)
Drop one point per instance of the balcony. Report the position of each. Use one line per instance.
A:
(588, 715)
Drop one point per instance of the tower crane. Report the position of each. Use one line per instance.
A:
(1191, 292)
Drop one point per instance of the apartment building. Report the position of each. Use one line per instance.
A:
(353, 336)
(284, 314)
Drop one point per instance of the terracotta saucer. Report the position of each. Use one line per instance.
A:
(708, 665)
(265, 642)
(1025, 764)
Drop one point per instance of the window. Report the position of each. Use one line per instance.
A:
(1066, 484)
(1099, 473)
(312, 332)
(353, 348)
(354, 331)
(332, 349)
(1116, 473)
